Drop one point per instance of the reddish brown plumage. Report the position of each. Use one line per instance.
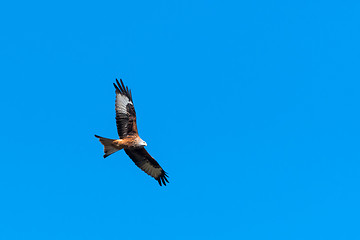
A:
(129, 137)
(130, 141)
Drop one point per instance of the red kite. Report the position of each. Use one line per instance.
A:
(129, 137)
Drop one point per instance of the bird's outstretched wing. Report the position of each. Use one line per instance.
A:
(148, 164)
(125, 111)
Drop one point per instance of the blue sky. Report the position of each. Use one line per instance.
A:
(251, 107)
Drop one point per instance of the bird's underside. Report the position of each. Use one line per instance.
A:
(113, 145)
(129, 138)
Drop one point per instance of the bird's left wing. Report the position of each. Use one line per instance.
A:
(125, 111)
(148, 164)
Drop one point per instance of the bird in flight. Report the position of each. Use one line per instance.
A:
(129, 137)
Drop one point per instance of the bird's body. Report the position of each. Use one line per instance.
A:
(129, 137)
(131, 141)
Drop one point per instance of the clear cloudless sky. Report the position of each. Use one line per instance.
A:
(252, 107)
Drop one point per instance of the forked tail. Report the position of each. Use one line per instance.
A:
(109, 147)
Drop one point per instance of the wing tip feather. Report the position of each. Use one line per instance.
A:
(117, 90)
(122, 89)
(162, 179)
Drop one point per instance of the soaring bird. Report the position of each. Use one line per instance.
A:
(129, 137)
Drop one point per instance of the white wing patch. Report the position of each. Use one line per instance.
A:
(121, 102)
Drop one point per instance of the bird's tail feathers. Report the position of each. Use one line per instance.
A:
(109, 147)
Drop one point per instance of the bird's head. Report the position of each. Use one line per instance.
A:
(143, 143)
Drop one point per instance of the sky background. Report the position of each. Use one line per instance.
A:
(252, 107)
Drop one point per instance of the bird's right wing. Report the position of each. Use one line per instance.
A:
(148, 164)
